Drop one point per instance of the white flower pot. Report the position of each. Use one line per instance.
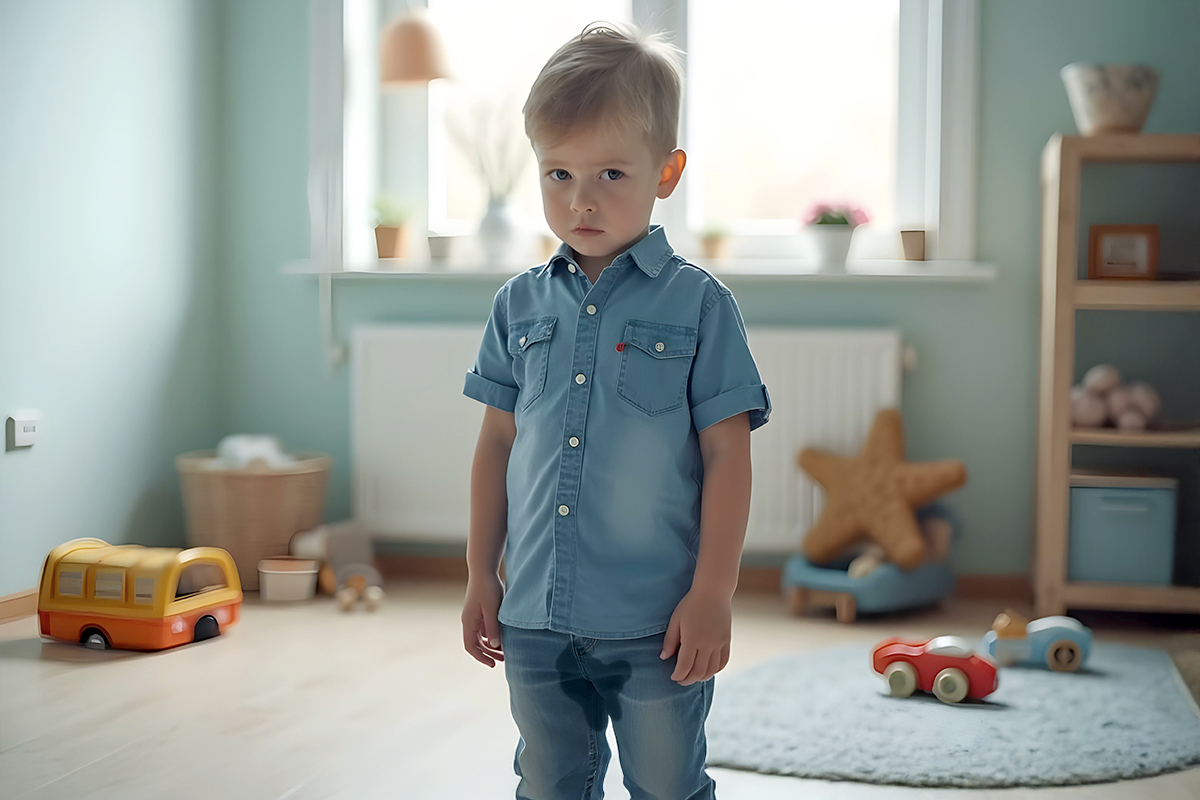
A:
(1110, 98)
(829, 245)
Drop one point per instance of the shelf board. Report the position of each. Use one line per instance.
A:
(1138, 295)
(1132, 597)
(1133, 147)
(1115, 438)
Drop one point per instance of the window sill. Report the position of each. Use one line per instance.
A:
(767, 269)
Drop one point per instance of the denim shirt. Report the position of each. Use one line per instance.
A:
(609, 384)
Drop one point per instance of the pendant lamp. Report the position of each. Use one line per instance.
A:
(411, 51)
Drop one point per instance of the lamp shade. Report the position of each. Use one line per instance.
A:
(411, 51)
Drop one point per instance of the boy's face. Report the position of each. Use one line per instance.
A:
(598, 188)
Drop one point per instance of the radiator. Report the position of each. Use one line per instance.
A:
(414, 432)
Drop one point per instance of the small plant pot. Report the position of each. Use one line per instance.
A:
(287, 579)
(392, 241)
(914, 245)
(714, 247)
(829, 245)
(440, 247)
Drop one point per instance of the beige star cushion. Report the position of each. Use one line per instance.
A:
(874, 494)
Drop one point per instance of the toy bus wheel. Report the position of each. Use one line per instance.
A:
(901, 678)
(206, 628)
(951, 685)
(94, 639)
(1064, 656)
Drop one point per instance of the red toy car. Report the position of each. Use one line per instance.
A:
(947, 666)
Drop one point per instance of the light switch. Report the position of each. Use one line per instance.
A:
(27, 424)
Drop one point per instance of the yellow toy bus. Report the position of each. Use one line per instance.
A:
(137, 598)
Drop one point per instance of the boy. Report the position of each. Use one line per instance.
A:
(613, 464)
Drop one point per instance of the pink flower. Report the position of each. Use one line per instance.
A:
(836, 214)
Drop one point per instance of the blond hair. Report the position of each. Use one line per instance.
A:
(609, 73)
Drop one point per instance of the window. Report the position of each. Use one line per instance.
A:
(143, 591)
(803, 111)
(496, 54)
(70, 582)
(109, 584)
(197, 578)
(787, 103)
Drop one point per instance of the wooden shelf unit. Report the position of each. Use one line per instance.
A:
(1063, 293)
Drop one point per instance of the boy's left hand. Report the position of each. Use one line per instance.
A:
(699, 633)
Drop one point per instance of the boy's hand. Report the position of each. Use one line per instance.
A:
(481, 628)
(699, 633)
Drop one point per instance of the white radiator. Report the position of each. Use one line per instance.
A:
(414, 432)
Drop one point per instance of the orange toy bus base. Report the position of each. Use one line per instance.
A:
(137, 598)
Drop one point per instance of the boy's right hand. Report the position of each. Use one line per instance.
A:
(481, 628)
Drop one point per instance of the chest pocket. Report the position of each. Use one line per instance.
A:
(529, 345)
(655, 364)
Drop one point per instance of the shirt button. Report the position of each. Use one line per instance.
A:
(571, 267)
(574, 440)
(563, 511)
(579, 378)
(660, 347)
(591, 309)
(522, 342)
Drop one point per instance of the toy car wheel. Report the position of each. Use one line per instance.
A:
(206, 628)
(951, 685)
(94, 639)
(901, 678)
(1064, 656)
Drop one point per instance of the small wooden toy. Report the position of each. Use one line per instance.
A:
(136, 598)
(347, 558)
(947, 666)
(1059, 643)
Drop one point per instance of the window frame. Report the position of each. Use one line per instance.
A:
(937, 130)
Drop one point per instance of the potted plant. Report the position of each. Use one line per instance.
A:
(831, 229)
(714, 242)
(391, 228)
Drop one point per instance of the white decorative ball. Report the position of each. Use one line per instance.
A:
(1102, 379)
(1145, 399)
(1120, 400)
(1088, 410)
(1132, 420)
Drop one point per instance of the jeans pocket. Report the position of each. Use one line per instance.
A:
(529, 345)
(655, 364)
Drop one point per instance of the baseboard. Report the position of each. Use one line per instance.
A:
(752, 578)
(18, 605)
(1014, 588)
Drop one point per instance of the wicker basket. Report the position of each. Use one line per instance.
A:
(251, 513)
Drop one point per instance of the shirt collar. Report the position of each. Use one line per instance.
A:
(650, 254)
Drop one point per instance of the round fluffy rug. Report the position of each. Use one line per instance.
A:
(826, 715)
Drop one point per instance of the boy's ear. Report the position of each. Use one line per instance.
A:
(672, 171)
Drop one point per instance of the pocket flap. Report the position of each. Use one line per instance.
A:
(660, 340)
(523, 334)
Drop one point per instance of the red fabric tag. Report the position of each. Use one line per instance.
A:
(620, 346)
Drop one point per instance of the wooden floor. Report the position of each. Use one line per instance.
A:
(305, 702)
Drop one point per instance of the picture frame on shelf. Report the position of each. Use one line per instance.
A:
(1123, 252)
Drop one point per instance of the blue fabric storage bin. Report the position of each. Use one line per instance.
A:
(1122, 529)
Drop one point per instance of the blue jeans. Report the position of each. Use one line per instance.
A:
(563, 689)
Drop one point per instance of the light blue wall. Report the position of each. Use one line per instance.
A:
(973, 395)
(127, 317)
(108, 296)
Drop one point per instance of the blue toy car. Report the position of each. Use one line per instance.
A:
(1059, 643)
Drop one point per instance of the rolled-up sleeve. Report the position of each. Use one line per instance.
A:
(725, 379)
(491, 380)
